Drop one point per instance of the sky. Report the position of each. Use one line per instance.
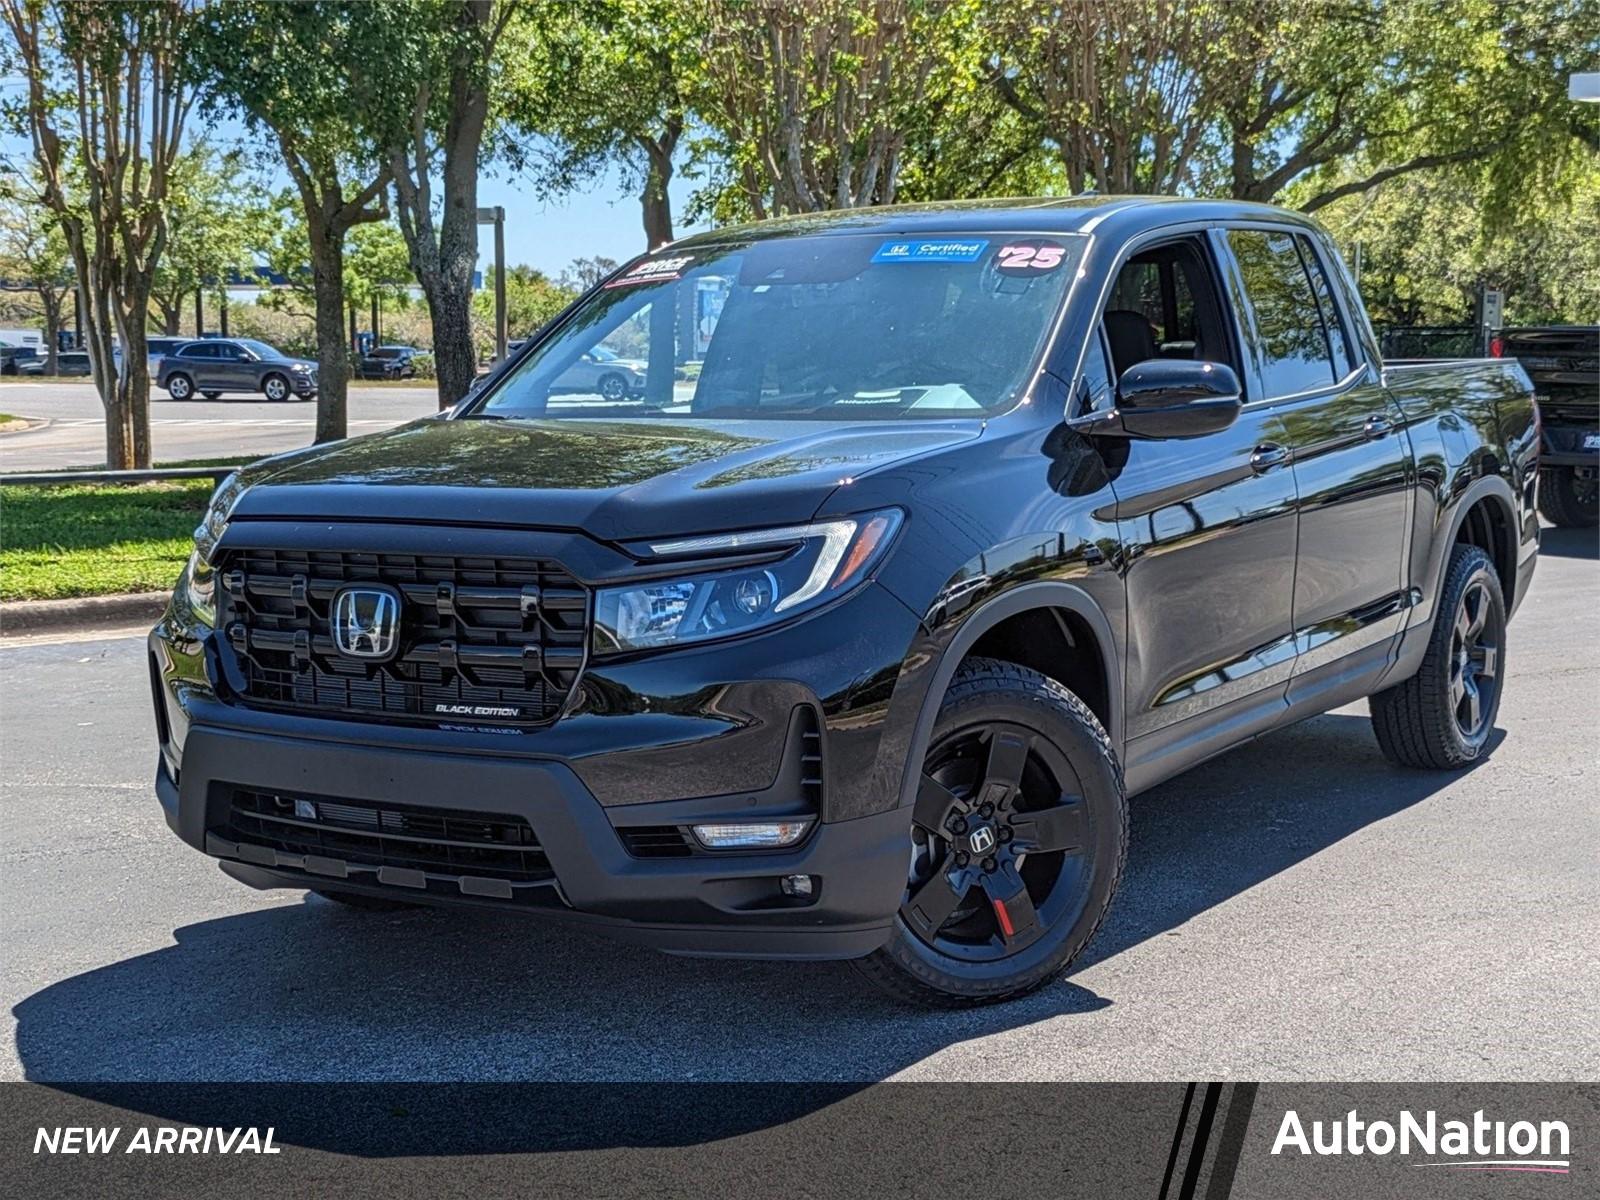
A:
(546, 231)
(549, 232)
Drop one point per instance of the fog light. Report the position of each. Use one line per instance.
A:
(757, 835)
(795, 885)
(305, 810)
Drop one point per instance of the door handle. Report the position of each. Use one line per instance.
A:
(1268, 455)
(1375, 428)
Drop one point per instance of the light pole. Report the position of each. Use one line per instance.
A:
(496, 216)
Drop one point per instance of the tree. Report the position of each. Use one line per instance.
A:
(430, 72)
(298, 74)
(531, 300)
(218, 222)
(1430, 240)
(34, 254)
(106, 176)
(1310, 89)
(614, 94)
(583, 273)
(813, 106)
(1118, 88)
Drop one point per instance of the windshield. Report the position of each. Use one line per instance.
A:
(260, 349)
(823, 327)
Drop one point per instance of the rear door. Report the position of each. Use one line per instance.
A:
(1351, 458)
(234, 370)
(1207, 525)
(200, 363)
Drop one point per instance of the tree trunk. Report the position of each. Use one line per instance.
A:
(333, 361)
(51, 299)
(654, 199)
(657, 210)
(454, 360)
(171, 315)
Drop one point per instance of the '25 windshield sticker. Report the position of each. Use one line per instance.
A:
(1031, 257)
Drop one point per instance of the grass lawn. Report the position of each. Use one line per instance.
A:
(96, 540)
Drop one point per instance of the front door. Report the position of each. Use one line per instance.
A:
(1208, 529)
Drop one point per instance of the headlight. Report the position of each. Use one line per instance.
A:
(199, 577)
(824, 560)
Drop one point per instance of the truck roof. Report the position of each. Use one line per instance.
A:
(1040, 214)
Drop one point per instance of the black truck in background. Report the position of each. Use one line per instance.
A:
(1563, 361)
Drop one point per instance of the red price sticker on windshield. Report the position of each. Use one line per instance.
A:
(1031, 257)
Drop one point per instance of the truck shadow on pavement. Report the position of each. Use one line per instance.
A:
(1569, 543)
(307, 990)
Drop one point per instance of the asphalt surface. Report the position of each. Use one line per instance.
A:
(233, 425)
(1296, 909)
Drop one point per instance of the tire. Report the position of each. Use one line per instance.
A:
(211, 395)
(983, 919)
(179, 387)
(276, 387)
(613, 387)
(1440, 719)
(364, 902)
(1568, 500)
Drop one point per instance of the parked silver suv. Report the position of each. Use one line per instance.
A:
(215, 366)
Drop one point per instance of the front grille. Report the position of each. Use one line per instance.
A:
(482, 640)
(360, 833)
(658, 841)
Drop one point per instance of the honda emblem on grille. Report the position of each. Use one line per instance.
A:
(366, 622)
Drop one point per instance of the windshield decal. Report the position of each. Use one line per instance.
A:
(937, 250)
(653, 270)
(1028, 258)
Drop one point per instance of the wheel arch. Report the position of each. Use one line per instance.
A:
(1485, 516)
(1042, 600)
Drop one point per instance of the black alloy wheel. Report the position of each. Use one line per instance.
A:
(1000, 833)
(1441, 717)
(1474, 662)
(1018, 836)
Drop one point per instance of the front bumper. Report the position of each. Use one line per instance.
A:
(721, 905)
(706, 734)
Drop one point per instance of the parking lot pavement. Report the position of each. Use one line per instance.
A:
(239, 425)
(1296, 909)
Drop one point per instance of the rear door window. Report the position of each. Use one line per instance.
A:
(1290, 345)
(1338, 337)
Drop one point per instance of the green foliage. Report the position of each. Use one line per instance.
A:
(376, 263)
(96, 540)
(532, 298)
(1428, 243)
(220, 218)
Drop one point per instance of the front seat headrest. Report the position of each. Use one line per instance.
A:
(1132, 339)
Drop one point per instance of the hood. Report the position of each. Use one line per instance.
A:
(615, 480)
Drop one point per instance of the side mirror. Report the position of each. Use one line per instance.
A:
(1170, 398)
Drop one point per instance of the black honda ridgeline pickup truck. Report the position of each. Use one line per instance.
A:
(934, 534)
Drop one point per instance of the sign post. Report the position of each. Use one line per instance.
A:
(496, 216)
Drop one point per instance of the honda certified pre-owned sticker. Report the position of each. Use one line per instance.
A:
(936, 250)
(1031, 257)
(653, 270)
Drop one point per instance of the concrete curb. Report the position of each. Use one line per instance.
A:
(79, 613)
(24, 424)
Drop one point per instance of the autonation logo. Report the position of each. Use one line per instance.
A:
(1476, 1145)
